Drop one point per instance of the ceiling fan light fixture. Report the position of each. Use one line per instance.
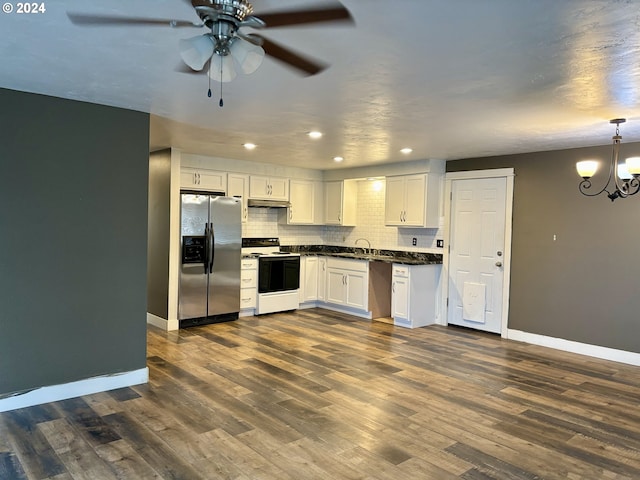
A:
(222, 68)
(196, 51)
(315, 134)
(248, 56)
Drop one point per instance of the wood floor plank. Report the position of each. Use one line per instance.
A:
(315, 394)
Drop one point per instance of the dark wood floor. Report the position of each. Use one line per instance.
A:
(318, 395)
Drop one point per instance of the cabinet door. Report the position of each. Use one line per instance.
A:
(213, 181)
(322, 278)
(302, 197)
(400, 297)
(336, 286)
(238, 186)
(357, 290)
(278, 188)
(415, 201)
(203, 179)
(259, 187)
(394, 201)
(310, 293)
(333, 203)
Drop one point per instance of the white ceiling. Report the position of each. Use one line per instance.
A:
(449, 78)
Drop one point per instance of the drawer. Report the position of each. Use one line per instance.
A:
(248, 298)
(249, 263)
(248, 278)
(400, 270)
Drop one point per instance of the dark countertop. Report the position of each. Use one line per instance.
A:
(373, 255)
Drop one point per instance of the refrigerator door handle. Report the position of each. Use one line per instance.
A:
(206, 248)
(212, 249)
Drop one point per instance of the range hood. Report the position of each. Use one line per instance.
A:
(254, 202)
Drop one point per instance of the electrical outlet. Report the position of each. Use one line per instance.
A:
(414, 242)
(440, 243)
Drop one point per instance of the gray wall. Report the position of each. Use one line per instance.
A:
(73, 220)
(583, 286)
(159, 233)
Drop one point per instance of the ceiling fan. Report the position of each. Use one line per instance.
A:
(225, 47)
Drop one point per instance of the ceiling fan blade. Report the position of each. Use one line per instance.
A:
(304, 65)
(104, 20)
(334, 12)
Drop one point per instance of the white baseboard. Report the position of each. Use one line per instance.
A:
(64, 391)
(162, 323)
(596, 351)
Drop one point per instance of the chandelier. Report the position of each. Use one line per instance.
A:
(623, 178)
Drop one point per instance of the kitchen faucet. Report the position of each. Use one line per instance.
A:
(368, 245)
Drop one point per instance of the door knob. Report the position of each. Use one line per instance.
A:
(498, 264)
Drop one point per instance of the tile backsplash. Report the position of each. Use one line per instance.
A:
(263, 222)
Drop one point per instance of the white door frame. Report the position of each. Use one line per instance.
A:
(508, 174)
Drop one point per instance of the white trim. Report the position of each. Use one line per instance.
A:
(54, 393)
(162, 323)
(507, 173)
(474, 174)
(596, 351)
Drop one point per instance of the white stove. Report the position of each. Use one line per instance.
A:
(278, 275)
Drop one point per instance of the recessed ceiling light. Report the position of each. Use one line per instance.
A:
(338, 159)
(315, 134)
(249, 146)
(406, 151)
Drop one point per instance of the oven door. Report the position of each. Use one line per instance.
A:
(278, 274)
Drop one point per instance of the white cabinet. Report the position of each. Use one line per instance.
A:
(268, 188)
(203, 179)
(347, 283)
(306, 207)
(322, 278)
(412, 201)
(340, 202)
(414, 294)
(238, 186)
(248, 283)
(308, 278)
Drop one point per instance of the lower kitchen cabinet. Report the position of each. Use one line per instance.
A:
(413, 299)
(248, 285)
(308, 279)
(322, 279)
(348, 283)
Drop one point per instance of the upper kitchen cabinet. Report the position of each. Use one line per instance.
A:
(305, 197)
(268, 188)
(203, 179)
(340, 202)
(238, 186)
(412, 201)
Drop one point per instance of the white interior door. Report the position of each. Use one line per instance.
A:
(477, 253)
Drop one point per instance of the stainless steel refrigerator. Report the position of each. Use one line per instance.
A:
(210, 242)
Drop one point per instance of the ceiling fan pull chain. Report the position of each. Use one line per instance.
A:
(209, 78)
(221, 103)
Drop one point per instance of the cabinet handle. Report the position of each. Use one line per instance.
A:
(393, 287)
(246, 299)
(246, 213)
